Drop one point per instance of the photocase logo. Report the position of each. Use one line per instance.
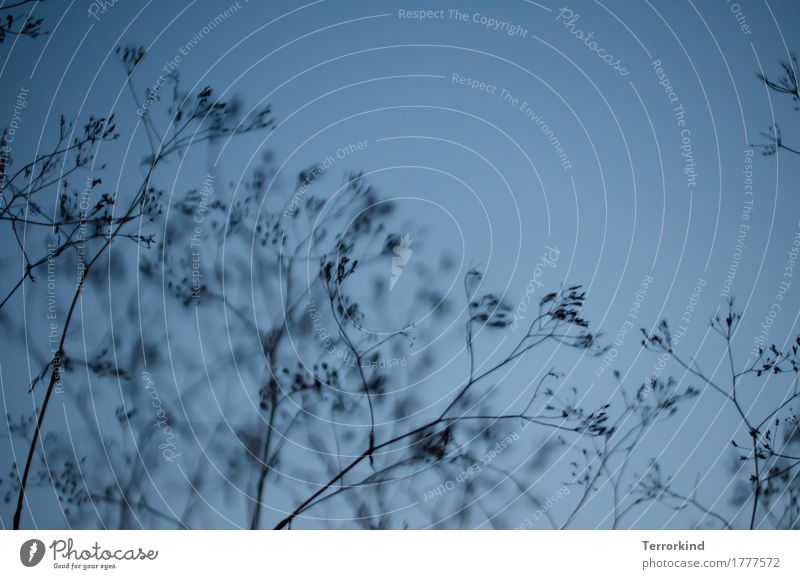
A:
(32, 552)
(403, 253)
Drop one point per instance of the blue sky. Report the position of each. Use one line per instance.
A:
(652, 189)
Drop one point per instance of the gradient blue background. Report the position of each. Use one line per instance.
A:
(487, 184)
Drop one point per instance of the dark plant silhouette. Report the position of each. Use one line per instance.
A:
(299, 412)
(609, 460)
(785, 84)
(15, 22)
(90, 228)
(769, 450)
(311, 361)
(434, 442)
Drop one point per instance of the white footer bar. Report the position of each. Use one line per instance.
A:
(389, 554)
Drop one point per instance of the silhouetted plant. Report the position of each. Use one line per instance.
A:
(89, 229)
(771, 435)
(608, 461)
(313, 403)
(303, 412)
(14, 21)
(785, 84)
(434, 443)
